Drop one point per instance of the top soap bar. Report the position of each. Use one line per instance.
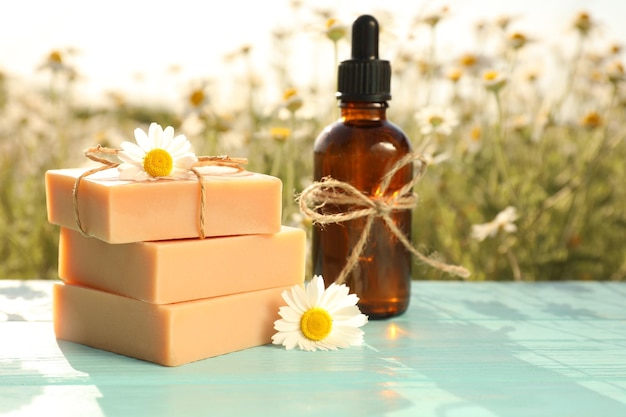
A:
(118, 211)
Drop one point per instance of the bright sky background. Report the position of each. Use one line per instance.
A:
(118, 39)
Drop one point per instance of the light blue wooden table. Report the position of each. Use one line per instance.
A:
(463, 349)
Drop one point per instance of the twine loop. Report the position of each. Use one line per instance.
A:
(329, 191)
(94, 153)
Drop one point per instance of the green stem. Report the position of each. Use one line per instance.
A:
(277, 161)
(498, 150)
(288, 193)
(431, 63)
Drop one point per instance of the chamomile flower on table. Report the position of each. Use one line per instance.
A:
(157, 154)
(317, 318)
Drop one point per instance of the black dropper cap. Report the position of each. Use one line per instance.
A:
(364, 77)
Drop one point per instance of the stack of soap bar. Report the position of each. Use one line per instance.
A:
(143, 285)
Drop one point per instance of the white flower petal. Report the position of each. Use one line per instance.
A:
(129, 159)
(326, 344)
(355, 321)
(186, 161)
(503, 221)
(144, 142)
(346, 336)
(509, 214)
(309, 345)
(166, 137)
(314, 290)
(333, 294)
(155, 133)
(346, 312)
(481, 231)
(338, 297)
(129, 171)
(288, 314)
(292, 339)
(346, 301)
(179, 174)
(297, 299)
(133, 151)
(179, 146)
(279, 338)
(337, 341)
(286, 326)
(510, 228)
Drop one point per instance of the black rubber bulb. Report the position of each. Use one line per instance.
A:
(365, 38)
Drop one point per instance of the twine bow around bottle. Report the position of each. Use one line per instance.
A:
(94, 153)
(329, 191)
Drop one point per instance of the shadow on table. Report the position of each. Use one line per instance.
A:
(246, 383)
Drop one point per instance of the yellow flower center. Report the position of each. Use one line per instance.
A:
(468, 60)
(55, 57)
(290, 92)
(158, 163)
(490, 76)
(316, 324)
(455, 75)
(196, 98)
(476, 133)
(592, 120)
(435, 120)
(330, 23)
(280, 134)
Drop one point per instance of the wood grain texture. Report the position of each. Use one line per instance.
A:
(462, 349)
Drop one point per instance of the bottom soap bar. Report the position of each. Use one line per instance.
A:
(168, 334)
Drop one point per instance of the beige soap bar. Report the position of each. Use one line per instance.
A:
(170, 335)
(119, 211)
(171, 271)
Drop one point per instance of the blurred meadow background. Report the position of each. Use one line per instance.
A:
(519, 107)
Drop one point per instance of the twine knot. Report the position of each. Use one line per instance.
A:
(382, 207)
(329, 191)
(94, 153)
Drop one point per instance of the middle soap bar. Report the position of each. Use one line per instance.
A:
(165, 272)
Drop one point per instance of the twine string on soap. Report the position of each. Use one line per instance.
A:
(203, 161)
(330, 191)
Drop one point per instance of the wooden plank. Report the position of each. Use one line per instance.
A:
(462, 349)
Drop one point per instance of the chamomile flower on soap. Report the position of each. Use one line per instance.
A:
(157, 154)
(317, 318)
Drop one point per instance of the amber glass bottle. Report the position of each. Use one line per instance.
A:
(360, 148)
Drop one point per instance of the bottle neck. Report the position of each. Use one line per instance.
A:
(361, 110)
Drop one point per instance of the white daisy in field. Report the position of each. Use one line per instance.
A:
(318, 318)
(436, 120)
(494, 80)
(335, 30)
(503, 222)
(157, 154)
